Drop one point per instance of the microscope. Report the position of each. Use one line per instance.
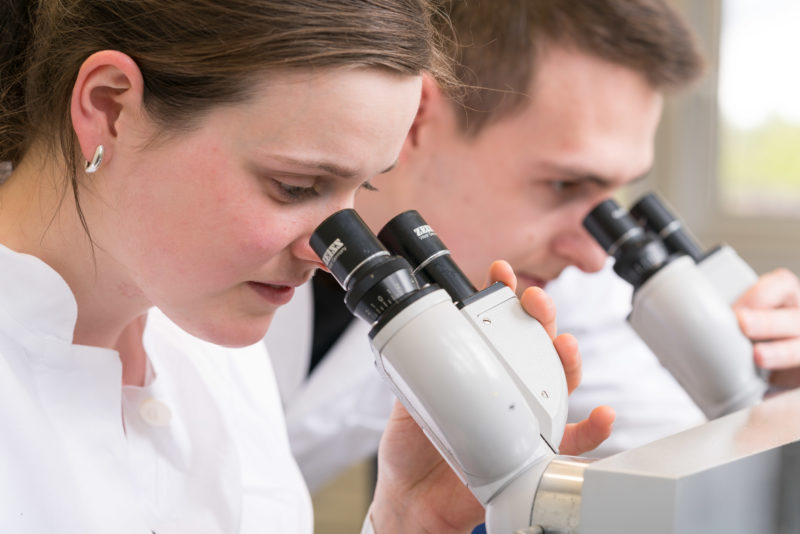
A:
(484, 382)
(477, 373)
(682, 302)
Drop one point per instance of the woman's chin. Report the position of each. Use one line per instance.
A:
(233, 334)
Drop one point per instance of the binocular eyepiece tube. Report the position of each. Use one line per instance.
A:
(408, 235)
(373, 279)
(376, 278)
(639, 253)
(653, 213)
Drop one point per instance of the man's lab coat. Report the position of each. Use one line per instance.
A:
(336, 416)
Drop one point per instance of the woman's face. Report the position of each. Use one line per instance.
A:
(212, 225)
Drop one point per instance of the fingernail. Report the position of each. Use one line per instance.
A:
(745, 320)
(763, 356)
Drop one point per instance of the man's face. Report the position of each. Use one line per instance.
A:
(520, 189)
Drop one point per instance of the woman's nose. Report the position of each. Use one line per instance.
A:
(302, 250)
(302, 247)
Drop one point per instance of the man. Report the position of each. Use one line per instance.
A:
(561, 107)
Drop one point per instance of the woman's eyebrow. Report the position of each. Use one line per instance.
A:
(389, 168)
(326, 166)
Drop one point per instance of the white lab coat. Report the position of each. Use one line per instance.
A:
(336, 417)
(200, 449)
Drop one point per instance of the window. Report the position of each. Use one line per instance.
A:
(759, 108)
(728, 150)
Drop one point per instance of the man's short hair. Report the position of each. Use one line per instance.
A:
(496, 45)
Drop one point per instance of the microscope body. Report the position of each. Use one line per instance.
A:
(682, 303)
(491, 413)
(727, 272)
(477, 373)
(696, 336)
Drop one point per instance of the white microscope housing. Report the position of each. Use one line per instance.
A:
(478, 374)
(682, 304)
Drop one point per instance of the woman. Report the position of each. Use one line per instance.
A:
(216, 135)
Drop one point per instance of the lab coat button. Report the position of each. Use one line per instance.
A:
(155, 413)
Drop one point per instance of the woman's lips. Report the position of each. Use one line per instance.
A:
(274, 294)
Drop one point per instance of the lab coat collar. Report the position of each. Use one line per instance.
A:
(48, 312)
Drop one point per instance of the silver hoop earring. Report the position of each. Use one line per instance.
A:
(97, 159)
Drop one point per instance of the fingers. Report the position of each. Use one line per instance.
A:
(399, 411)
(769, 314)
(777, 289)
(777, 354)
(541, 307)
(758, 324)
(501, 271)
(567, 347)
(585, 436)
(534, 300)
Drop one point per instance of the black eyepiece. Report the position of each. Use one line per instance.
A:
(373, 279)
(638, 254)
(408, 235)
(345, 243)
(655, 215)
(611, 226)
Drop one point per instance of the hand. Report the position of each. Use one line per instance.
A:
(417, 492)
(769, 314)
(578, 437)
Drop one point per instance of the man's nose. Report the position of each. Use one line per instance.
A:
(582, 251)
(592, 257)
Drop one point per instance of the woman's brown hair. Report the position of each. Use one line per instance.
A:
(193, 54)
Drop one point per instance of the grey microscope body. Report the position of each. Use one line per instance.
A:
(682, 303)
(478, 374)
(483, 381)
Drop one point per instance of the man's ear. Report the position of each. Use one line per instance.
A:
(109, 86)
(435, 111)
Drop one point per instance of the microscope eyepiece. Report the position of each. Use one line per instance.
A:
(373, 279)
(408, 235)
(345, 244)
(612, 226)
(655, 215)
(638, 254)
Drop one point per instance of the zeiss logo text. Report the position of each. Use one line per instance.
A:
(331, 251)
(423, 231)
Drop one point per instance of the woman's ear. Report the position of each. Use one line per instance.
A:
(108, 88)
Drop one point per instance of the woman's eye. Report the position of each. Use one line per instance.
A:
(369, 187)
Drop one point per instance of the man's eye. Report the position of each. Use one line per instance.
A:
(294, 193)
(560, 186)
